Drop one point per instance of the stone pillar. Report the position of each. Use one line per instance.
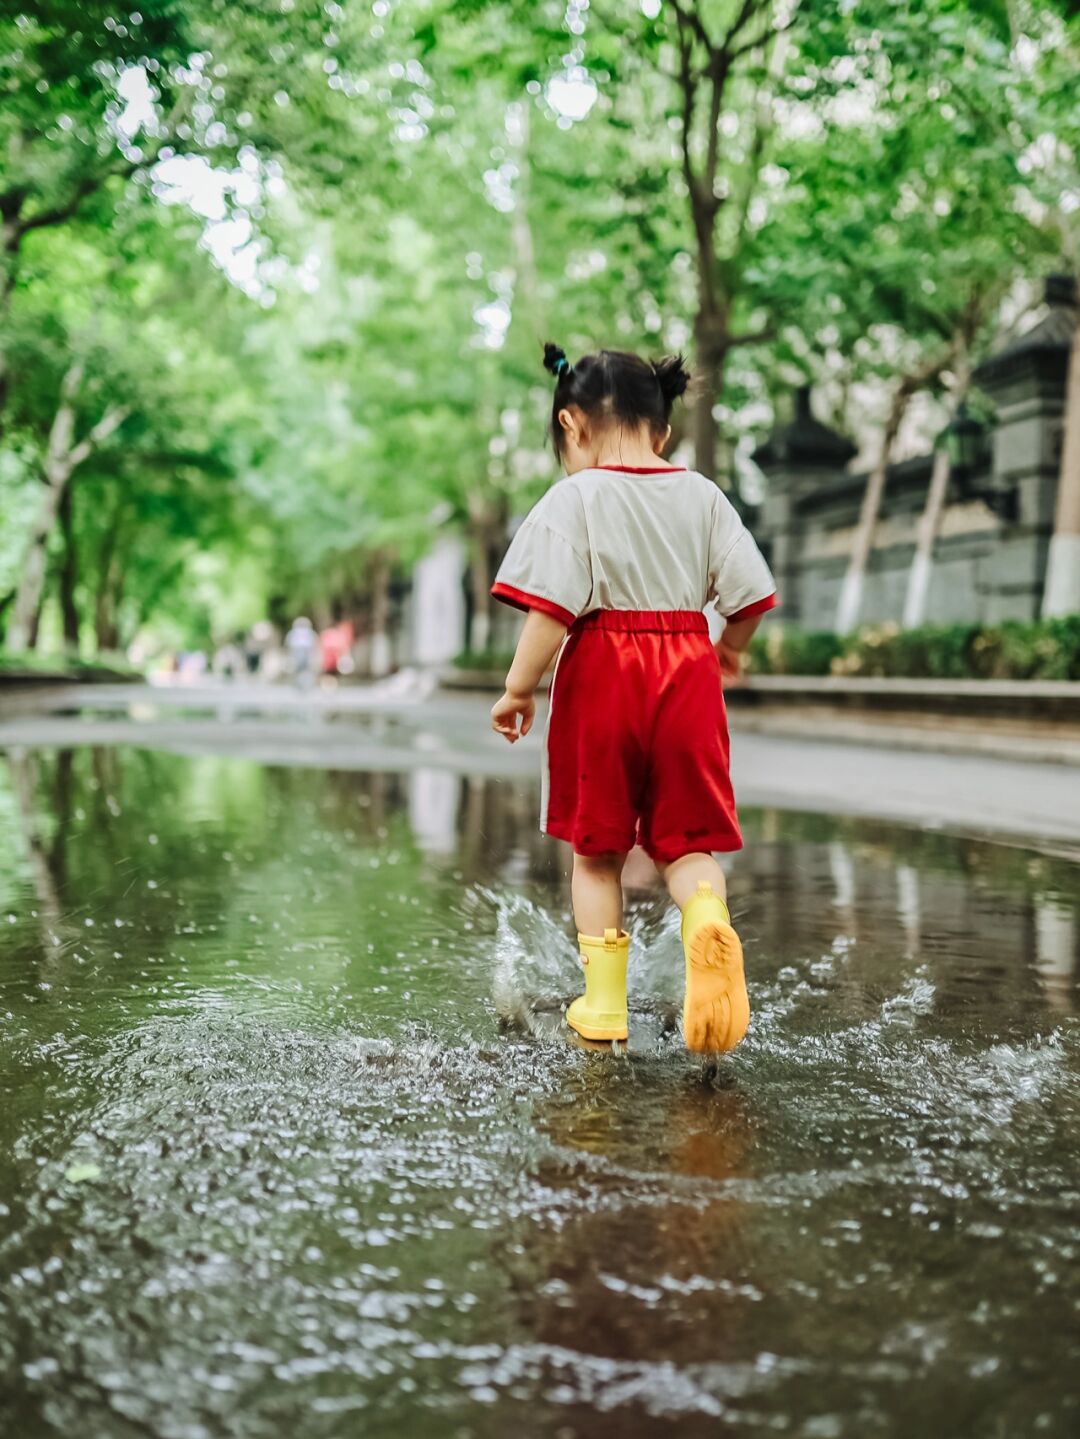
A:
(437, 628)
(1026, 382)
(438, 610)
(1062, 593)
(799, 460)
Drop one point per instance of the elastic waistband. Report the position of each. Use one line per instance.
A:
(664, 622)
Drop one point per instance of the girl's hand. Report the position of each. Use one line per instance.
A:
(505, 712)
(731, 661)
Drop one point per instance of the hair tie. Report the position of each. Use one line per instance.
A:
(561, 365)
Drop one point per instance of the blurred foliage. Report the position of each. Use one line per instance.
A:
(108, 667)
(779, 650)
(1014, 650)
(309, 253)
(494, 662)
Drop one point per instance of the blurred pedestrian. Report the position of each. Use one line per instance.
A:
(301, 643)
(257, 645)
(336, 643)
(228, 659)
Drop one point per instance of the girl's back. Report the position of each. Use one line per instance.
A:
(620, 538)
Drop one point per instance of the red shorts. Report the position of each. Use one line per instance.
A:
(637, 740)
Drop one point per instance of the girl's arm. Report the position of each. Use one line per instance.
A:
(540, 638)
(731, 644)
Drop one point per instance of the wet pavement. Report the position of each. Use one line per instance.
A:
(403, 723)
(292, 1141)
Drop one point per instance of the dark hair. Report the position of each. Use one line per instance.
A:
(615, 385)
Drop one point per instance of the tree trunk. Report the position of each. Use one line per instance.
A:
(851, 592)
(62, 458)
(929, 522)
(706, 63)
(68, 574)
(381, 657)
(105, 616)
(10, 239)
(23, 628)
(480, 580)
(1062, 593)
(33, 634)
(849, 606)
(57, 472)
(110, 579)
(710, 353)
(922, 562)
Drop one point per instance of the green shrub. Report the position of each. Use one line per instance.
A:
(34, 663)
(1014, 649)
(888, 652)
(1046, 650)
(776, 650)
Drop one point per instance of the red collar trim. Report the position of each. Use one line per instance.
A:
(644, 469)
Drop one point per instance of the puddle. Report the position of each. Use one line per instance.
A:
(292, 1139)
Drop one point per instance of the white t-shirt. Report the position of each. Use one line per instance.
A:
(621, 539)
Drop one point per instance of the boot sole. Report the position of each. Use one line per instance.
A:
(716, 1011)
(589, 1031)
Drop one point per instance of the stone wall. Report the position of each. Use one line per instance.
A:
(986, 567)
(990, 559)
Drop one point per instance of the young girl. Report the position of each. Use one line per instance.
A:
(618, 560)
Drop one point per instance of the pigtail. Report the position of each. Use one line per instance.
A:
(672, 376)
(555, 360)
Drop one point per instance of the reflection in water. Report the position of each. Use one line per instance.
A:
(434, 798)
(908, 908)
(650, 1245)
(292, 1138)
(1057, 944)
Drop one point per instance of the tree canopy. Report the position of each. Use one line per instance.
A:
(274, 278)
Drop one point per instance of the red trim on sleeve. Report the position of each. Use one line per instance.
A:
(523, 601)
(759, 607)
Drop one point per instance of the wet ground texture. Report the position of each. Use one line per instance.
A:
(292, 1142)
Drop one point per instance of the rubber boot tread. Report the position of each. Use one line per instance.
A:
(716, 1011)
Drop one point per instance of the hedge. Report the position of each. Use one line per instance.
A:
(31, 662)
(1014, 650)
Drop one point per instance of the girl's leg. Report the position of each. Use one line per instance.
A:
(682, 877)
(716, 1009)
(600, 1013)
(596, 889)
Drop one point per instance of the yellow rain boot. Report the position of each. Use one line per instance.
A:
(716, 1010)
(600, 1013)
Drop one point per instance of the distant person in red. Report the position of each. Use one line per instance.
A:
(336, 643)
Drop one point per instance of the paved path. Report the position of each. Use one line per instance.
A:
(388, 729)
(972, 793)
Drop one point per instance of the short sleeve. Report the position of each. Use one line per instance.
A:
(547, 566)
(740, 581)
